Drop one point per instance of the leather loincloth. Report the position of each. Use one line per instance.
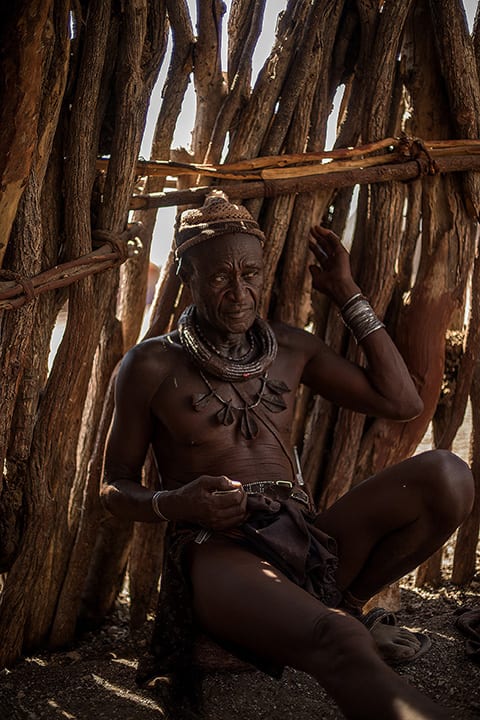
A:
(280, 531)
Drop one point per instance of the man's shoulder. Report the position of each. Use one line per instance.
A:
(293, 337)
(156, 352)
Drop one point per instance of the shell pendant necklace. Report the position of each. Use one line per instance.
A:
(269, 395)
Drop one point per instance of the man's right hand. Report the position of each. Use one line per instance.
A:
(213, 502)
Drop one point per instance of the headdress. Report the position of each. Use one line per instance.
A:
(217, 216)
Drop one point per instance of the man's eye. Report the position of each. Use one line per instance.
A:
(250, 273)
(220, 278)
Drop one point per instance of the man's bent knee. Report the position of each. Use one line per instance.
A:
(450, 486)
(335, 641)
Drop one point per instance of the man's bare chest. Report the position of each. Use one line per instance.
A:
(194, 407)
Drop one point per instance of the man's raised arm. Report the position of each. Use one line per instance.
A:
(385, 387)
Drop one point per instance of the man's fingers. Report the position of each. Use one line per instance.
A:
(319, 252)
(318, 231)
(217, 483)
(327, 239)
(222, 500)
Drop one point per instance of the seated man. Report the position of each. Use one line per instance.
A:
(264, 574)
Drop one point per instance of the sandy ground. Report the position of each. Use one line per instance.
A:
(95, 679)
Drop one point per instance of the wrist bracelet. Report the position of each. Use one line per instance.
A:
(359, 317)
(350, 301)
(155, 498)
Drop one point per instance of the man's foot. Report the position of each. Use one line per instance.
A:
(396, 644)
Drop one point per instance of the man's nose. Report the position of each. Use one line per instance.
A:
(237, 288)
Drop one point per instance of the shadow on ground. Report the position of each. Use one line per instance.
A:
(96, 678)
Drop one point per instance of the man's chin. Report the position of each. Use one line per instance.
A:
(239, 323)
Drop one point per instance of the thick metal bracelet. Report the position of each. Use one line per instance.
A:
(155, 498)
(359, 317)
(351, 301)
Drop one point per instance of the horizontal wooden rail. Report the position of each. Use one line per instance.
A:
(244, 190)
(115, 250)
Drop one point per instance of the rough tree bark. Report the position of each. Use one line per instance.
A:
(43, 560)
(144, 567)
(24, 37)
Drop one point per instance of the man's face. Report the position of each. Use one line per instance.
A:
(225, 281)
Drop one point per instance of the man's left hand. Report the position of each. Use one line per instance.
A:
(332, 275)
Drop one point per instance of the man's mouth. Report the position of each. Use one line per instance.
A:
(239, 313)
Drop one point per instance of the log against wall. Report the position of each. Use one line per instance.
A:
(16, 351)
(22, 51)
(446, 256)
(51, 473)
(144, 566)
(141, 48)
(370, 254)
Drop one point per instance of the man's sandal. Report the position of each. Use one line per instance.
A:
(381, 616)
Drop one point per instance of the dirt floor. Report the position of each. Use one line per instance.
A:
(96, 677)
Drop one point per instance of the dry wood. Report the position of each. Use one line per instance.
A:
(244, 22)
(357, 76)
(143, 565)
(476, 38)
(459, 69)
(18, 360)
(23, 70)
(210, 87)
(134, 275)
(179, 70)
(146, 557)
(294, 114)
(382, 66)
(302, 73)
(430, 572)
(406, 171)
(402, 148)
(60, 464)
(464, 562)
(248, 136)
(181, 65)
(70, 374)
(71, 602)
(169, 287)
(372, 260)
(247, 22)
(141, 48)
(467, 365)
(293, 300)
(13, 294)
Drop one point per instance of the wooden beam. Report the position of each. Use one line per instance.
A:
(403, 172)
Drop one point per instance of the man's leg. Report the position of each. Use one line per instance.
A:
(242, 599)
(390, 523)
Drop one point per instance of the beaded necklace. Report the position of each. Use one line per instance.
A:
(229, 369)
(235, 370)
(248, 354)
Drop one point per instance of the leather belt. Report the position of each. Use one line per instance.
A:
(262, 487)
